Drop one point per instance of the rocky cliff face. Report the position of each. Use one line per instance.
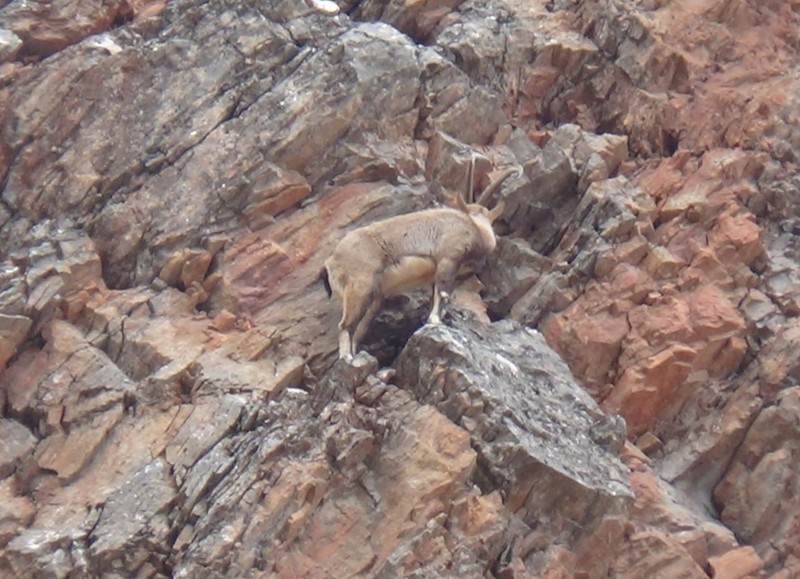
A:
(173, 177)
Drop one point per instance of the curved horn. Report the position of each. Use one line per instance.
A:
(462, 206)
(470, 197)
(497, 212)
(494, 185)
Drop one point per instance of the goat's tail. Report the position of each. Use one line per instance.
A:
(323, 275)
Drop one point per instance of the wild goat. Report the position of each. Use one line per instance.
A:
(396, 255)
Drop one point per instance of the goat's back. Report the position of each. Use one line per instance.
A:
(430, 233)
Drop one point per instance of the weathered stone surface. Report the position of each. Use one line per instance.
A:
(552, 190)
(172, 177)
(13, 332)
(373, 445)
(505, 284)
(662, 516)
(148, 494)
(18, 443)
(385, 449)
(493, 394)
(743, 562)
(10, 44)
(658, 50)
(16, 511)
(47, 28)
(676, 330)
(652, 554)
(417, 19)
(758, 493)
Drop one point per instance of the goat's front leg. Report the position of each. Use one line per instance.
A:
(433, 317)
(445, 280)
(345, 345)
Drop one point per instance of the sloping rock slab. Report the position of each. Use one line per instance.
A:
(534, 428)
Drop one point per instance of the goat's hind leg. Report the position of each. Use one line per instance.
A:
(356, 300)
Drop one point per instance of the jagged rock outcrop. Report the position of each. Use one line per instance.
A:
(359, 476)
(172, 177)
(535, 435)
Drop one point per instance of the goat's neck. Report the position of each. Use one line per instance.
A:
(484, 227)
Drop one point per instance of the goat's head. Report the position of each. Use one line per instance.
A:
(477, 210)
(483, 218)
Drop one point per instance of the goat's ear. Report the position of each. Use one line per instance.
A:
(497, 212)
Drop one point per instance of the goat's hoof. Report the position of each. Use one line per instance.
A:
(434, 320)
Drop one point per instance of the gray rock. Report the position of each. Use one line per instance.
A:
(18, 443)
(534, 211)
(610, 433)
(10, 44)
(529, 421)
(511, 272)
(133, 516)
(52, 554)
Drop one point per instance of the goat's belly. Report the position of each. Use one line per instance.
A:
(407, 274)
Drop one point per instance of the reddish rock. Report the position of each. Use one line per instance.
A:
(660, 509)
(48, 28)
(144, 9)
(643, 391)
(741, 234)
(654, 554)
(67, 454)
(755, 495)
(224, 321)
(560, 565)
(18, 445)
(595, 342)
(673, 74)
(415, 19)
(188, 266)
(17, 511)
(690, 325)
(737, 564)
(712, 315)
(273, 192)
(781, 358)
(168, 394)
(13, 332)
(396, 481)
